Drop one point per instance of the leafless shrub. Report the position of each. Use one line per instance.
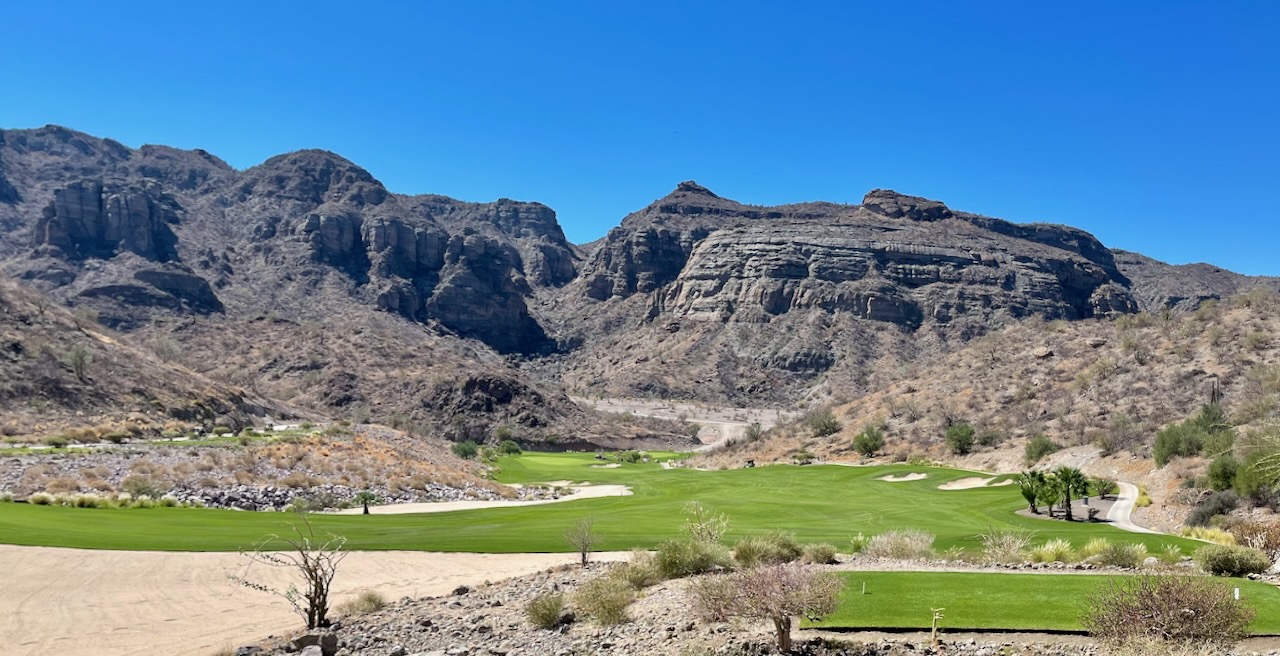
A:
(1005, 546)
(777, 593)
(582, 537)
(906, 544)
(315, 560)
(1171, 609)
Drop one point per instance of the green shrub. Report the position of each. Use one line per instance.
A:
(509, 448)
(221, 430)
(1053, 551)
(959, 439)
(869, 441)
(1217, 503)
(803, 457)
(1037, 448)
(56, 441)
(545, 611)
(1181, 610)
(605, 599)
(1171, 555)
(776, 547)
(141, 486)
(631, 457)
(858, 543)
(1121, 555)
(116, 437)
(1222, 472)
(465, 450)
(823, 423)
(819, 554)
(368, 602)
(681, 558)
(1224, 560)
(641, 571)
(905, 544)
(1179, 440)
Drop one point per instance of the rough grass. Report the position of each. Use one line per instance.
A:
(1043, 602)
(821, 504)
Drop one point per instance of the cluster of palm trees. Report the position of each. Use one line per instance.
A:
(1059, 487)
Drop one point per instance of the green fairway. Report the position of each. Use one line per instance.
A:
(902, 600)
(819, 503)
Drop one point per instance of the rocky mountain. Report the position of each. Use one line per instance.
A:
(305, 278)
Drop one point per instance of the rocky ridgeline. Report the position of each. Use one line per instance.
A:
(279, 497)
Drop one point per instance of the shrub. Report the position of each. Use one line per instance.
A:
(545, 611)
(465, 450)
(582, 537)
(1217, 503)
(368, 602)
(777, 593)
(41, 499)
(509, 448)
(869, 441)
(1053, 551)
(823, 423)
(1224, 560)
(641, 571)
(1175, 609)
(1214, 535)
(56, 441)
(1004, 546)
(630, 457)
(803, 457)
(703, 526)
(221, 430)
(714, 597)
(140, 486)
(770, 549)
(858, 543)
(1264, 536)
(1171, 555)
(1222, 472)
(819, 554)
(1143, 499)
(681, 558)
(1093, 548)
(1037, 448)
(116, 437)
(604, 599)
(959, 439)
(903, 545)
(1121, 555)
(1179, 440)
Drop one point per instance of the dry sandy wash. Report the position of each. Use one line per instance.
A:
(75, 602)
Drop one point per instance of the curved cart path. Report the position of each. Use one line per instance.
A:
(1121, 511)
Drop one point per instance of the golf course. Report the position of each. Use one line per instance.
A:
(818, 503)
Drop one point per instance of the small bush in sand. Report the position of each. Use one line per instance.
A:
(819, 554)
(1005, 546)
(368, 602)
(1223, 560)
(681, 558)
(1178, 610)
(545, 611)
(604, 599)
(906, 544)
(1053, 551)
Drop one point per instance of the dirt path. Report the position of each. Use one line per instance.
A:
(75, 602)
(719, 423)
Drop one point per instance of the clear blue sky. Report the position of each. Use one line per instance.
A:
(1150, 124)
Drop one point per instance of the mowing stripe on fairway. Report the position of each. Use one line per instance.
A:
(817, 503)
(1027, 602)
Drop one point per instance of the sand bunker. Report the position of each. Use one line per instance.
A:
(580, 492)
(904, 478)
(612, 465)
(973, 482)
(130, 603)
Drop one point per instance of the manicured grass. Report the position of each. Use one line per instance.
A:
(818, 503)
(902, 600)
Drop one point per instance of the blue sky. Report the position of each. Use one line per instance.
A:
(1151, 124)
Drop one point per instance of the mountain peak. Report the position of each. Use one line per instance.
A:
(896, 206)
(691, 187)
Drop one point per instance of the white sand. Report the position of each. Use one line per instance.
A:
(74, 602)
(973, 482)
(904, 478)
(581, 492)
(612, 465)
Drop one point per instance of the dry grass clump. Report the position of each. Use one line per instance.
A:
(545, 611)
(1005, 546)
(1056, 550)
(908, 544)
(367, 602)
(605, 599)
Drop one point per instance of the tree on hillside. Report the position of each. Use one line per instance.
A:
(1071, 482)
(1031, 484)
(869, 441)
(959, 438)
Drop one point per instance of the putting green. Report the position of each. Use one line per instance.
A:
(819, 503)
(1040, 602)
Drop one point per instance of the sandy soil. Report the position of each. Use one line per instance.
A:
(973, 482)
(918, 476)
(612, 465)
(74, 602)
(580, 492)
(718, 423)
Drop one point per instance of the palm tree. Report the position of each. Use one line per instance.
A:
(1070, 481)
(1030, 484)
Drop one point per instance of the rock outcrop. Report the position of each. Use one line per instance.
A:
(91, 219)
